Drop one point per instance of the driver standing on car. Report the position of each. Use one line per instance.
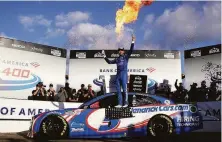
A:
(122, 69)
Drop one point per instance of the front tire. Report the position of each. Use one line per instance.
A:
(160, 126)
(53, 127)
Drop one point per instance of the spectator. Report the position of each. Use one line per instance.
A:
(39, 93)
(74, 97)
(180, 92)
(192, 94)
(81, 92)
(155, 87)
(62, 95)
(68, 91)
(213, 94)
(218, 96)
(35, 93)
(171, 96)
(202, 92)
(167, 89)
(51, 93)
(90, 93)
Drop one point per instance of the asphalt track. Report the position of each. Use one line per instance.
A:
(192, 137)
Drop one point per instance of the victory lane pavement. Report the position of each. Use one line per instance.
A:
(194, 137)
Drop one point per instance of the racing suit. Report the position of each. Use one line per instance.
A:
(122, 76)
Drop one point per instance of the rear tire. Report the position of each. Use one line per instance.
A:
(53, 127)
(160, 126)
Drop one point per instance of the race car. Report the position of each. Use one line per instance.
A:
(147, 115)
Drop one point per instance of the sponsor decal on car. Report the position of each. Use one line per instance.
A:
(74, 112)
(56, 52)
(162, 108)
(193, 109)
(77, 129)
(182, 121)
(188, 119)
(80, 55)
(77, 125)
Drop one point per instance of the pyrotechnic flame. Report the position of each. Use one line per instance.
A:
(129, 13)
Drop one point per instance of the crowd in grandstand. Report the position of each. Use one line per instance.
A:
(180, 95)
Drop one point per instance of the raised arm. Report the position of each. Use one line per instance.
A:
(131, 47)
(108, 60)
(175, 84)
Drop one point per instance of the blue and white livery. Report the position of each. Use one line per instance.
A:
(147, 115)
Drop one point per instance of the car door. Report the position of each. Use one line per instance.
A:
(94, 115)
(130, 125)
(136, 125)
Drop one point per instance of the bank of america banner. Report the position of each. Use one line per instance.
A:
(23, 65)
(142, 54)
(87, 65)
(203, 64)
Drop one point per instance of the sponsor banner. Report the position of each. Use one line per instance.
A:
(203, 51)
(211, 111)
(25, 109)
(32, 47)
(152, 54)
(140, 54)
(22, 70)
(138, 83)
(169, 55)
(56, 52)
(201, 68)
(80, 55)
(86, 71)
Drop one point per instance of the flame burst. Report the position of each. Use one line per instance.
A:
(129, 13)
